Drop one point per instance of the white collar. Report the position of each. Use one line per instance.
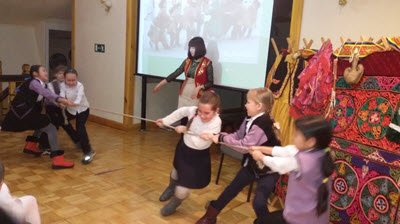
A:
(255, 117)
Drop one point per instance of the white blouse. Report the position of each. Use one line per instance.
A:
(196, 128)
(75, 94)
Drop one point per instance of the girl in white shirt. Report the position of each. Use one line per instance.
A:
(192, 165)
(73, 90)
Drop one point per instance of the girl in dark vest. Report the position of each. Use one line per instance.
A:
(199, 74)
(256, 130)
(309, 165)
(25, 114)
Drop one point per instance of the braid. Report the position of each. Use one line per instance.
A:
(323, 192)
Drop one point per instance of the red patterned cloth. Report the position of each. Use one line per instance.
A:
(314, 91)
(385, 63)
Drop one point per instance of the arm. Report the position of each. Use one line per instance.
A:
(286, 151)
(81, 93)
(179, 114)
(267, 150)
(176, 73)
(276, 151)
(171, 77)
(284, 159)
(238, 134)
(255, 136)
(62, 99)
(46, 93)
(281, 165)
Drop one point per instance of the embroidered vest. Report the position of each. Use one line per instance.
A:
(200, 77)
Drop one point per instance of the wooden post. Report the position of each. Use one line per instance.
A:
(295, 23)
(11, 90)
(130, 60)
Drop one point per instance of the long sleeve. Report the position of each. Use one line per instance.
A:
(287, 151)
(281, 165)
(46, 93)
(179, 114)
(80, 94)
(283, 160)
(210, 76)
(238, 134)
(255, 136)
(176, 73)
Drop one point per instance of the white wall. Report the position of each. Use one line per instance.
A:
(17, 46)
(370, 18)
(103, 74)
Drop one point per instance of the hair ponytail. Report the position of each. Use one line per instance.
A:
(327, 167)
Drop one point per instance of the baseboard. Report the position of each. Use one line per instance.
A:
(107, 122)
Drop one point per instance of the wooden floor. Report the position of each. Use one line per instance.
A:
(121, 185)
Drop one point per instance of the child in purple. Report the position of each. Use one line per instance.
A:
(26, 114)
(257, 129)
(309, 164)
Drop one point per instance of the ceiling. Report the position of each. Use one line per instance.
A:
(33, 11)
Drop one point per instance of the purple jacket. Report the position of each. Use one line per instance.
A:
(260, 133)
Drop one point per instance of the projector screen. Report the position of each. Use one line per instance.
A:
(236, 34)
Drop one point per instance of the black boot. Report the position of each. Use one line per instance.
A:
(171, 207)
(169, 191)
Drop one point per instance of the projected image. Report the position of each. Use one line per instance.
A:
(236, 33)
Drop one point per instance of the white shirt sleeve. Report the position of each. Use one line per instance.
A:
(287, 151)
(283, 160)
(80, 94)
(179, 114)
(281, 165)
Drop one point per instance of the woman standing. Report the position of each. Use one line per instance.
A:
(199, 74)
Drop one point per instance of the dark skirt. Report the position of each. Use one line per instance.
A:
(32, 121)
(193, 166)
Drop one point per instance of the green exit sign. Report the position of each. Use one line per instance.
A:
(101, 48)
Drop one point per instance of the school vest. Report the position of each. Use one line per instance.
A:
(266, 124)
(25, 100)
